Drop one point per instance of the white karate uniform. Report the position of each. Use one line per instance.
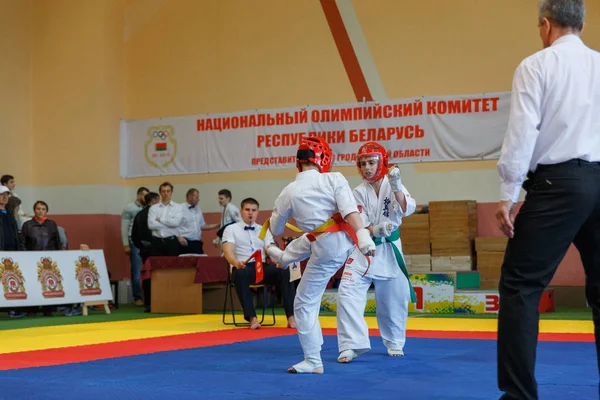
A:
(312, 199)
(392, 292)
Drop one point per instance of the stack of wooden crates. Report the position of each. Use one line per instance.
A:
(442, 240)
(414, 233)
(453, 226)
(490, 254)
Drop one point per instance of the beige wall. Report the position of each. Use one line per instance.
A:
(15, 88)
(78, 91)
(74, 68)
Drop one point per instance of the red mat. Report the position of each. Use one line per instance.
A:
(67, 355)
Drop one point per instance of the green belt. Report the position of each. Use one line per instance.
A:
(399, 259)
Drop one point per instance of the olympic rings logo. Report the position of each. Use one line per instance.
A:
(162, 135)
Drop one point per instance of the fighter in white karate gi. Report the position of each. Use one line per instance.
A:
(323, 206)
(382, 201)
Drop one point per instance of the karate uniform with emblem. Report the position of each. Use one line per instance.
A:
(312, 199)
(392, 293)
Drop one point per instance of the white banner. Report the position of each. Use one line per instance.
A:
(465, 127)
(35, 278)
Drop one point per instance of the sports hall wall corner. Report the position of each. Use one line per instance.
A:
(72, 70)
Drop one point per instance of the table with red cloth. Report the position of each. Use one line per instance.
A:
(178, 283)
(208, 269)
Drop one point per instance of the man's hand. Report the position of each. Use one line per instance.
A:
(182, 241)
(505, 214)
(84, 247)
(157, 219)
(239, 264)
(127, 250)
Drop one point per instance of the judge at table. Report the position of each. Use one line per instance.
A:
(240, 241)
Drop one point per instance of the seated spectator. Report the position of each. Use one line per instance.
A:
(240, 241)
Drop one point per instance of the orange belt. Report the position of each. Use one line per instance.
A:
(336, 224)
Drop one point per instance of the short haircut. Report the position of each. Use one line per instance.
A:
(165, 184)
(5, 179)
(150, 197)
(226, 193)
(42, 203)
(191, 192)
(249, 200)
(564, 13)
(142, 189)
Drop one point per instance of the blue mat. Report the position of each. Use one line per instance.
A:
(432, 369)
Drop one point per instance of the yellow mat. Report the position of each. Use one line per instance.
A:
(60, 336)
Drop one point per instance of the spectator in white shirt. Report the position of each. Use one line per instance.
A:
(553, 139)
(240, 241)
(192, 225)
(22, 216)
(164, 220)
(230, 214)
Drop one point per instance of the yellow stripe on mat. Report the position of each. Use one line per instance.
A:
(50, 337)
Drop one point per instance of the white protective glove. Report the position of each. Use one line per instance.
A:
(365, 243)
(275, 253)
(297, 250)
(395, 179)
(383, 229)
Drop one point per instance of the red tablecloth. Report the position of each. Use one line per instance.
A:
(208, 269)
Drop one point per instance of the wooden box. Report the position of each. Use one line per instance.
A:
(452, 227)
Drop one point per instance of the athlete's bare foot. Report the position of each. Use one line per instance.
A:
(254, 323)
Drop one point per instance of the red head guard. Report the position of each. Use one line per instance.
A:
(373, 150)
(315, 150)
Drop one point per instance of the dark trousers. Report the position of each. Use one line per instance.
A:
(146, 284)
(193, 247)
(165, 246)
(562, 206)
(243, 278)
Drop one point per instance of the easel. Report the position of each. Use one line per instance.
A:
(84, 307)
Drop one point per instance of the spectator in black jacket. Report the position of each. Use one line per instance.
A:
(141, 236)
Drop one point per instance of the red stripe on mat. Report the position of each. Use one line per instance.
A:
(482, 335)
(68, 355)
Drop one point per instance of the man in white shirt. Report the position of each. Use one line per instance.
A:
(240, 241)
(192, 225)
(164, 220)
(553, 139)
(230, 214)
